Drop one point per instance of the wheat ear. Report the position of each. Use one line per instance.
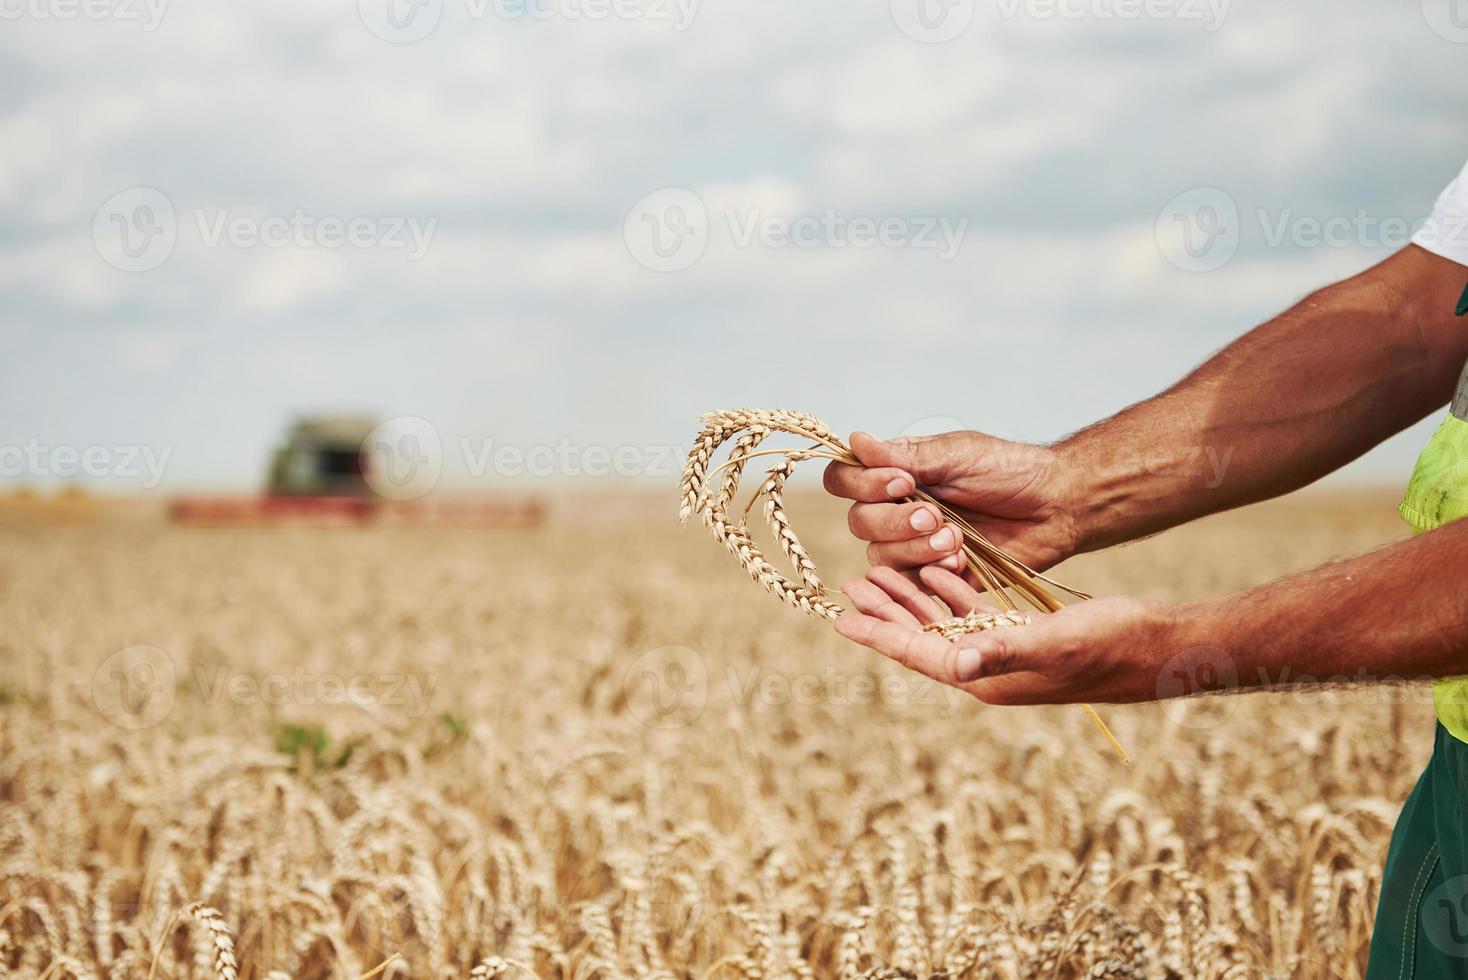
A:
(773, 492)
(225, 967)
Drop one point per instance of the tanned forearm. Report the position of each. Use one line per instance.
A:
(1292, 400)
(1364, 619)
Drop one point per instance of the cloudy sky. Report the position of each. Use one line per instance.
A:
(579, 223)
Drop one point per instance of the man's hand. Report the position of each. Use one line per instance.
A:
(1015, 495)
(1101, 650)
(1360, 620)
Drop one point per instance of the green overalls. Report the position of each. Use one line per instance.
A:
(1422, 918)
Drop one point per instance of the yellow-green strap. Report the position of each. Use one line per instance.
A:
(1437, 494)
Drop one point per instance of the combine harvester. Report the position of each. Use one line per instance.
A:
(324, 476)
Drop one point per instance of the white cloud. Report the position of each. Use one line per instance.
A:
(1056, 141)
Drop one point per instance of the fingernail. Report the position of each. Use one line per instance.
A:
(899, 487)
(953, 563)
(924, 519)
(967, 664)
(943, 541)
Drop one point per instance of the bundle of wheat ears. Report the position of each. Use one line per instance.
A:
(1008, 582)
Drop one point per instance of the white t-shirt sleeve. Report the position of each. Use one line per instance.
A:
(1445, 233)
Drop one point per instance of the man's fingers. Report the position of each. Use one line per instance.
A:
(930, 654)
(926, 653)
(878, 484)
(961, 597)
(902, 588)
(928, 458)
(941, 547)
(874, 602)
(999, 657)
(893, 522)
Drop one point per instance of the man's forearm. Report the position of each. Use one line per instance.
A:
(1390, 614)
(1277, 409)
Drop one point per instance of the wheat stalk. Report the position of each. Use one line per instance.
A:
(820, 829)
(1005, 578)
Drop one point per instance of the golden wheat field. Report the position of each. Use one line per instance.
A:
(595, 749)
